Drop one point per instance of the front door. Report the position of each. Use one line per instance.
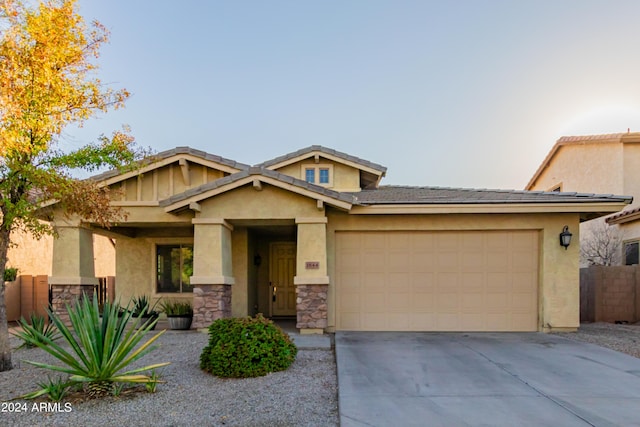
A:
(281, 271)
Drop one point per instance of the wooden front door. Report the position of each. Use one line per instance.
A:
(281, 271)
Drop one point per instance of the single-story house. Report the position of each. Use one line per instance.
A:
(313, 234)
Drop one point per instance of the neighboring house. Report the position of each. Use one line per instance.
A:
(313, 234)
(604, 164)
(34, 257)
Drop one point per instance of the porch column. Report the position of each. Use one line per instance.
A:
(311, 278)
(73, 273)
(212, 271)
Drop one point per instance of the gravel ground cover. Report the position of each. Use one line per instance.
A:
(622, 338)
(304, 395)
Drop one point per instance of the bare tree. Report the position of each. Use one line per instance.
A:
(601, 244)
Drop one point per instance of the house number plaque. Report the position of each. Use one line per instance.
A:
(312, 265)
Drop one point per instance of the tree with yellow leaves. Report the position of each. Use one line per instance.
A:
(48, 81)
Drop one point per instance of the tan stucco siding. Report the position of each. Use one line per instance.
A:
(587, 168)
(269, 203)
(345, 178)
(164, 182)
(136, 269)
(558, 269)
(239, 289)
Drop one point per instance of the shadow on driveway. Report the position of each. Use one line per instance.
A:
(472, 379)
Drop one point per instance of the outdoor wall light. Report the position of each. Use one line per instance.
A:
(565, 237)
(257, 260)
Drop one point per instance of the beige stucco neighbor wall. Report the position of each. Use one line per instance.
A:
(558, 269)
(589, 168)
(34, 257)
(631, 179)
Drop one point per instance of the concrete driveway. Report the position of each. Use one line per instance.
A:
(474, 379)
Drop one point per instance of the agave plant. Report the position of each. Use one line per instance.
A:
(101, 348)
(30, 331)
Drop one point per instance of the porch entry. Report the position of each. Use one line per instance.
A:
(282, 269)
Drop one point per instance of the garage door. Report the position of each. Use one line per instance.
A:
(437, 281)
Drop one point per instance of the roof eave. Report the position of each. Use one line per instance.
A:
(588, 208)
(341, 201)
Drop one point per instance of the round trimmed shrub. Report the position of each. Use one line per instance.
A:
(247, 347)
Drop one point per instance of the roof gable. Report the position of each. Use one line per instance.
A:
(370, 173)
(175, 155)
(623, 138)
(256, 176)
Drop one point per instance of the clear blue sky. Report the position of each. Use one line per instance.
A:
(446, 93)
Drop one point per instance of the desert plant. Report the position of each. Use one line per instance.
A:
(152, 385)
(10, 274)
(176, 308)
(101, 348)
(32, 331)
(246, 347)
(54, 389)
(142, 307)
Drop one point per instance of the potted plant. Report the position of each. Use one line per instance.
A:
(10, 274)
(144, 311)
(179, 313)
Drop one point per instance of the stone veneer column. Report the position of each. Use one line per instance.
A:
(73, 273)
(212, 271)
(311, 278)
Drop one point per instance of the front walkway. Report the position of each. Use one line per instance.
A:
(447, 379)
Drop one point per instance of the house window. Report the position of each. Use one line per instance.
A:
(310, 175)
(631, 253)
(324, 175)
(318, 174)
(174, 267)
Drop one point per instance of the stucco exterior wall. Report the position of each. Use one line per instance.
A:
(135, 267)
(240, 288)
(559, 275)
(588, 168)
(269, 203)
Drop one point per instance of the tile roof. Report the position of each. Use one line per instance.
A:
(256, 171)
(622, 215)
(174, 152)
(325, 150)
(585, 138)
(391, 194)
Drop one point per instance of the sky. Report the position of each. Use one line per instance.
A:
(455, 93)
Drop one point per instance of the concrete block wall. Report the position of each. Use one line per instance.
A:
(610, 294)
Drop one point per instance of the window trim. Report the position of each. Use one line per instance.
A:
(317, 167)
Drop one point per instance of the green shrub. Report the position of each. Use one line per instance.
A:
(10, 274)
(246, 347)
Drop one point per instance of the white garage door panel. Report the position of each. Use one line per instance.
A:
(437, 281)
